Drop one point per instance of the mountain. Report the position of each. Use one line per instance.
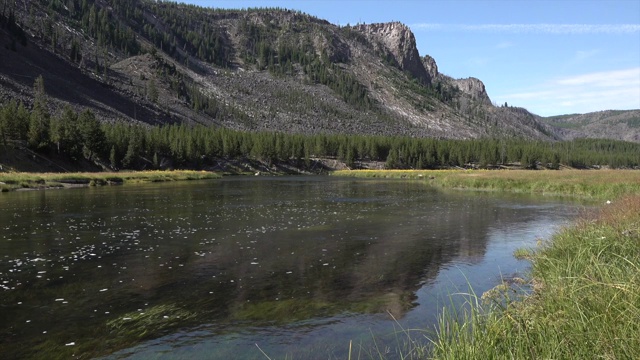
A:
(273, 69)
(610, 124)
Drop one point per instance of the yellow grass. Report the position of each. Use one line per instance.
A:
(12, 181)
(584, 183)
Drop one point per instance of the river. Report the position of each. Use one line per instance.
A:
(296, 267)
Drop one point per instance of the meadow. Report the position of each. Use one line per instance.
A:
(597, 184)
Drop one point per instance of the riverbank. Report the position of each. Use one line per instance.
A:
(600, 184)
(584, 304)
(36, 181)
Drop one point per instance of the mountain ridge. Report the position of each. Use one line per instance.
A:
(254, 70)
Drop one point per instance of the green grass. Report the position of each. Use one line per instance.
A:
(585, 302)
(14, 181)
(602, 184)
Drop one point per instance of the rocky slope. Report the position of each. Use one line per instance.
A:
(258, 69)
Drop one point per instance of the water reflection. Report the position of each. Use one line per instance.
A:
(295, 264)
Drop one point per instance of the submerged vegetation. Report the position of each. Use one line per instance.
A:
(604, 184)
(585, 301)
(147, 323)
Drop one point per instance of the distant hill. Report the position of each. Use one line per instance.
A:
(610, 124)
(152, 62)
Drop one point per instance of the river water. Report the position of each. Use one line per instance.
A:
(295, 267)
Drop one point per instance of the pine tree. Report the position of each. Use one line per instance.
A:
(93, 137)
(38, 135)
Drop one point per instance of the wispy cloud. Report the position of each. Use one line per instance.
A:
(615, 78)
(617, 89)
(505, 45)
(582, 55)
(534, 28)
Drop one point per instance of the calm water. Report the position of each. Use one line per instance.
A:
(299, 266)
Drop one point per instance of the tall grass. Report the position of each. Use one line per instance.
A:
(606, 184)
(585, 302)
(13, 181)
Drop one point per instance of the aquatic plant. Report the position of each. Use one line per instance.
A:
(148, 322)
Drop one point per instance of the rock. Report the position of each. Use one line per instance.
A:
(474, 88)
(430, 66)
(398, 42)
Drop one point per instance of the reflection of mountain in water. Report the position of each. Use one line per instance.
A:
(382, 244)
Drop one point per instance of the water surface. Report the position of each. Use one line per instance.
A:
(300, 266)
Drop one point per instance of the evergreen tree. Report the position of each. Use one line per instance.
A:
(93, 137)
(38, 135)
(65, 133)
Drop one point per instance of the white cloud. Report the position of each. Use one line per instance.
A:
(534, 28)
(616, 89)
(615, 78)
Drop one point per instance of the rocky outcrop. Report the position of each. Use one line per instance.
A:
(333, 47)
(430, 66)
(396, 41)
(474, 88)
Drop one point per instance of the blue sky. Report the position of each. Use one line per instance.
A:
(551, 57)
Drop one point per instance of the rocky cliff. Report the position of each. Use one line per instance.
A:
(430, 66)
(398, 44)
(474, 88)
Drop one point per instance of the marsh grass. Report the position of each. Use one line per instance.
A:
(585, 302)
(522, 254)
(13, 181)
(603, 184)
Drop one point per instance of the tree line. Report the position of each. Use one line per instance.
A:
(79, 135)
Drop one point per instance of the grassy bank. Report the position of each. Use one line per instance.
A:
(585, 302)
(605, 184)
(15, 181)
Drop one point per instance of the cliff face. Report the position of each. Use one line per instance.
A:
(397, 42)
(430, 66)
(474, 88)
(471, 87)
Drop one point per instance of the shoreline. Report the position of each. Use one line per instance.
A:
(596, 184)
(583, 280)
(45, 181)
